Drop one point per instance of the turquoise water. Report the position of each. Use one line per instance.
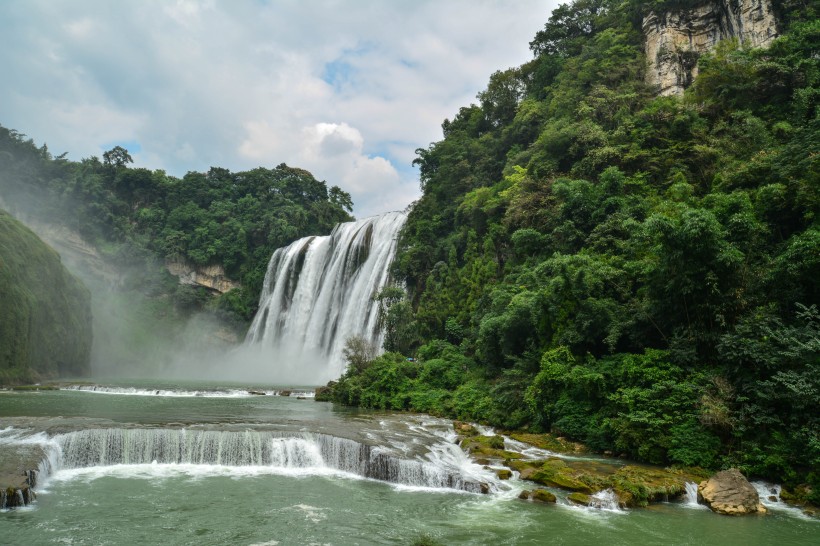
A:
(155, 502)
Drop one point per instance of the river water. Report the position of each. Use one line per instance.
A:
(200, 464)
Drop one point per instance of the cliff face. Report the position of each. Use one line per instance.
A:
(211, 277)
(45, 315)
(676, 39)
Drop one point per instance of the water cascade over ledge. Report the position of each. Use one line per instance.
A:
(319, 291)
(311, 452)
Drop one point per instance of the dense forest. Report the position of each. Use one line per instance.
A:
(140, 219)
(637, 272)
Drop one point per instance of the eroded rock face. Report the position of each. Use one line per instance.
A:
(676, 39)
(729, 492)
(211, 277)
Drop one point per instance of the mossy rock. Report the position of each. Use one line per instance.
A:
(464, 429)
(556, 473)
(503, 474)
(578, 498)
(639, 485)
(525, 494)
(549, 442)
(487, 447)
(542, 495)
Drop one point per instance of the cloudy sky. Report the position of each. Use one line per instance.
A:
(347, 89)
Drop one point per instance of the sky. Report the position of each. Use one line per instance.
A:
(347, 89)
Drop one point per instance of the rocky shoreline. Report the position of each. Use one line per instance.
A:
(594, 482)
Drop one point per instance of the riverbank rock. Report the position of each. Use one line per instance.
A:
(634, 485)
(729, 492)
(549, 442)
(555, 473)
(639, 485)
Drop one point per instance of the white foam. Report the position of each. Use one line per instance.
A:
(769, 494)
(154, 471)
(171, 393)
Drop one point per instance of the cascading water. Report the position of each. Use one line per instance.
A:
(107, 447)
(605, 500)
(691, 495)
(319, 291)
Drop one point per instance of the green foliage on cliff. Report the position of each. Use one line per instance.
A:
(633, 271)
(45, 312)
(138, 217)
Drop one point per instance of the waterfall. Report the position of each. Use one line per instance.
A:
(605, 499)
(691, 495)
(319, 291)
(107, 447)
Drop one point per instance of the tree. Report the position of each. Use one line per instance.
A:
(117, 157)
(359, 353)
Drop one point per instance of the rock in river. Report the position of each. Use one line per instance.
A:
(729, 492)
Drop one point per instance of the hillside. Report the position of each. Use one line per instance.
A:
(45, 316)
(630, 269)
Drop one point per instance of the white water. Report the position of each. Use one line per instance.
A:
(171, 393)
(690, 498)
(605, 500)
(150, 451)
(186, 393)
(769, 494)
(319, 291)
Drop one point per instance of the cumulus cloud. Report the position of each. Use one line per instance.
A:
(347, 90)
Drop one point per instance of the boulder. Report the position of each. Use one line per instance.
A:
(579, 498)
(503, 474)
(729, 492)
(542, 495)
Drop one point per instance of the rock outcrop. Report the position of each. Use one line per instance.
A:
(676, 39)
(729, 492)
(211, 277)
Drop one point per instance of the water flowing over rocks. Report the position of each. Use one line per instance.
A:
(103, 447)
(729, 492)
(319, 291)
(676, 39)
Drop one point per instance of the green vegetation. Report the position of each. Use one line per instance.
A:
(140, 218)
(45, 315)
(638, 273)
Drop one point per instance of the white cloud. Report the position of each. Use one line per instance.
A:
(345, 89)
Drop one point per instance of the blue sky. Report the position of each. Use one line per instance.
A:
(347, 89)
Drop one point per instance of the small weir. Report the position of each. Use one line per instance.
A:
(105, 447)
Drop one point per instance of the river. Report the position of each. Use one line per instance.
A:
(144, 463)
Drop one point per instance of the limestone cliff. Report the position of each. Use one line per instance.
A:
(676, 39)
(211, 277)
(45, 314)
